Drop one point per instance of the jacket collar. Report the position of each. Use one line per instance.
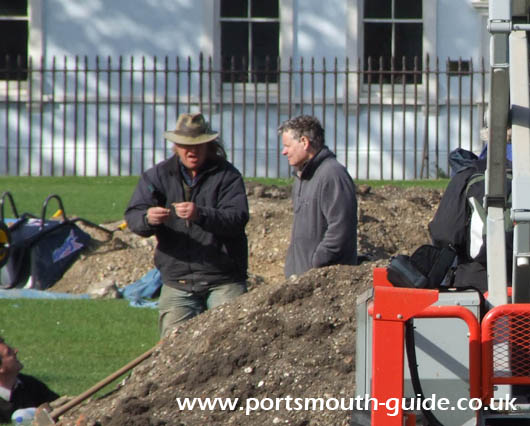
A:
(6, 393)
(309, 169)
(172, 166)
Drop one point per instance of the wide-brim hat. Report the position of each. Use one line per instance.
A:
(191, 129)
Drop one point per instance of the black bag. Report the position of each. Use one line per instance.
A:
(16, 271)
(42, 249)
(459, 159)
(459, 222)
(52, 253)
(426, 268)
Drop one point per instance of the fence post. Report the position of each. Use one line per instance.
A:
(425, 156)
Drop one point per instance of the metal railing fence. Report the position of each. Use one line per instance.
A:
(106, 116)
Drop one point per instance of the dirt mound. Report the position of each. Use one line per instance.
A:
(283, 339)
(391, 220)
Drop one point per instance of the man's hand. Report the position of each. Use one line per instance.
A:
(157, 215)
(186, 210)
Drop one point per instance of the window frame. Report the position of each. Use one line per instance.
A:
(393, 22)
(249, 90)
(34, 53)
(249, 20)
(355, 45)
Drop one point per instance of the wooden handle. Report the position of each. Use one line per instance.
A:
(64, 408)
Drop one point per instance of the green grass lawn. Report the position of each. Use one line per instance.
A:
(97, 199)
(431, 183)
(104, 199)
(73, 344)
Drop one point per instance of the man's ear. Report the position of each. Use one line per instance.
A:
(305, 141)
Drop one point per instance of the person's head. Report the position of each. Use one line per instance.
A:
(302, 138)
(484, 131)
(194, 141)
(9, 363)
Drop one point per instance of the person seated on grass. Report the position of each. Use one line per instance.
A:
(18, 390)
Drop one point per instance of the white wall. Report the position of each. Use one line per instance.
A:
(460, 30)
(123, 27)
(185, 27)
(179, 27)
(320, 30)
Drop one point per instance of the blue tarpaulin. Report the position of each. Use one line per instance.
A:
(145, 288)
(29, 293)
(137, 293)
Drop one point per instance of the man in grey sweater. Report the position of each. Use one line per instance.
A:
(324, 228)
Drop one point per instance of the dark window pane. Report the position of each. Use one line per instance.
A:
(13, 50)
(234, 44)
(265, 43)
(234, 39)
(14, 7)
(234, 8)
(264, 8)
(408, 9)
(458, 67)
(409, 41)
(378, 8)
(409, 44)
(377, 43)
(377, 49)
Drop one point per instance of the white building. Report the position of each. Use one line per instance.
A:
(380, 126)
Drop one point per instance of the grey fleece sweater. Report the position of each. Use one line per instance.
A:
(324, 228)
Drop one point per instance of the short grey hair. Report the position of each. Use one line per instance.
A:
(305, 125)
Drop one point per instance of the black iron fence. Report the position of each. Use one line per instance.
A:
(106, 116)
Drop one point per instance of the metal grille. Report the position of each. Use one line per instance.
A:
(510, 336)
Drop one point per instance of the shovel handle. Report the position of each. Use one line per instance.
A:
(78, 399)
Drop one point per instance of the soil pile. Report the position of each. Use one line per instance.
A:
(283, 339)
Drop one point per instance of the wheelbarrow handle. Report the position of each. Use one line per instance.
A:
(7, 195)
(45, 205)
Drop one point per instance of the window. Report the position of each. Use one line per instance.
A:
(14, 37)
(250, 40)
(393, 38)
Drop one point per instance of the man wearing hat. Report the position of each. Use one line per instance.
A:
(196, 205)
